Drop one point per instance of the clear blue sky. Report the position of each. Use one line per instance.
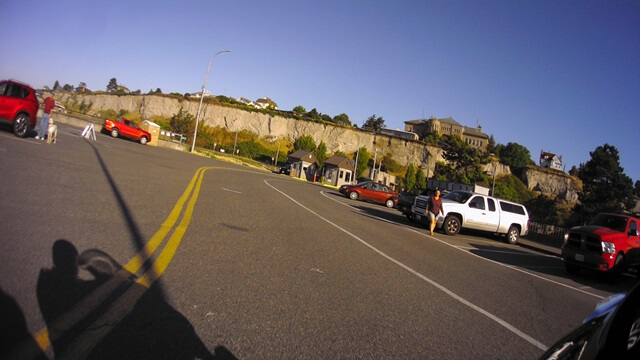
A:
(563, 76)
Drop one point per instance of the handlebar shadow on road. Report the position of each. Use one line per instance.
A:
(111, 315)
(549, 265)
(15, 340)
(94, 308)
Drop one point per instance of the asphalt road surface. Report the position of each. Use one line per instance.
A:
(110, 249)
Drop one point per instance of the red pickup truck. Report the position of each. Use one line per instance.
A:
(610, 243)
(126, 128)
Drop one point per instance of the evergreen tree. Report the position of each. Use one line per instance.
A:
(373, 123)
(304, 142)
(606, 187)
(321, 154)
(410, 178)
(363, 161)
(421, 181)
(112, 85)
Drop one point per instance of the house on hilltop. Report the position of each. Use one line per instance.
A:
(265, 103)
(550, 160)
(448, 126)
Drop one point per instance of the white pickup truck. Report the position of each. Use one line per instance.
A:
(463, 209)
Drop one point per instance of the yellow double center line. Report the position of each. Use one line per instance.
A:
(127, 300)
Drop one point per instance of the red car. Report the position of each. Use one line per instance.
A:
(126, 128)
(18, 106)
(373, 192)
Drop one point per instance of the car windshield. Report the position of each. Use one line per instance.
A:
(613, 222)
(458, 196)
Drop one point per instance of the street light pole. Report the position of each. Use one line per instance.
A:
(204, 85)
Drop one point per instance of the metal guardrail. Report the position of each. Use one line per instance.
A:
(547, 230)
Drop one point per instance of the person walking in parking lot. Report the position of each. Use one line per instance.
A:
(43, 124)
(434, 209)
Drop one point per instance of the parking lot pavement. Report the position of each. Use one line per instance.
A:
(547, 246)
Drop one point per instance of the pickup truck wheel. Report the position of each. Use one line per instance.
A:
(572, 269)
(353, 195)
(143, 140)
(451, 225)
(512, 235)
(114, 133)
(389, 203)
(618, 267)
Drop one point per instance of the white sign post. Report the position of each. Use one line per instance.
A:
(89, 132)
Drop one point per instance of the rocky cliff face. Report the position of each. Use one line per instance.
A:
(553, 184)
(336, 138)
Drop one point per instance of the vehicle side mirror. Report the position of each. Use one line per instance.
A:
(634, 233)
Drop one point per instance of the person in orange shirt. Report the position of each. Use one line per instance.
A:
(43, 124)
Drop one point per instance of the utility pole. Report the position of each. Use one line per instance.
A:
(355, 170)
(234, 143)
(373, 169)
(277, 153)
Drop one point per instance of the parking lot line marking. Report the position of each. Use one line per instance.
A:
(478, 256)
(233, 191)
(442, 288)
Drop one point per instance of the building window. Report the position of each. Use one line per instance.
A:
(341, 174)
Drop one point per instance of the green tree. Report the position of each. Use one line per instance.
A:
(465, 160)
(636, 188)
(373, 123)
(112, 85)
(491, 145)
(158, 91)
(56, 85)
(516, 156)
(314, 114)
(511, 188)
(392, 166)
(321, 154)
(182, 123)
(304, 142)
(606, 187)
(340, 153)
(67, 87)
(421, 181)
(363, 162)
(574, 171)
(299, 110)
(342, 119)
(431, 137)
(542, 209)
(410, 178)
(444, 172)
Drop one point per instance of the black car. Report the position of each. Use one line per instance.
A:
(285, 169)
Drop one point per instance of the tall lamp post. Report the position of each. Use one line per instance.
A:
(195, 132)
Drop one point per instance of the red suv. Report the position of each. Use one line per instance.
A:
(127, 128)
(18, 106)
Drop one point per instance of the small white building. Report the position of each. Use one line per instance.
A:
(550, 160)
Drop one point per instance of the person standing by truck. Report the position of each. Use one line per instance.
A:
(434, 209)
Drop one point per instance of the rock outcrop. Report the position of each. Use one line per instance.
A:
(553, 183)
